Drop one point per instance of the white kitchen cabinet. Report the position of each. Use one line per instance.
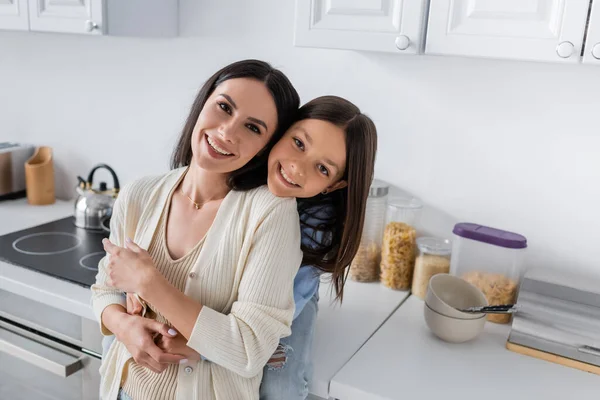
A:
(591, 54)
(152, 18)
(13, 15)
(66, 16)
(394, 26)
(536, 30)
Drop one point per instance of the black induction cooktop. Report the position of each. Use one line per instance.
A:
(58, 248)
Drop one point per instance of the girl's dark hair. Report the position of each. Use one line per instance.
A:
(287, 101)
(344, 228)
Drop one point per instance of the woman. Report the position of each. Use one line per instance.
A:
(225, 259)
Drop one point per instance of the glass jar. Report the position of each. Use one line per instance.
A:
(398, 249)
(433, 258)
(492, 260)
(365, 265)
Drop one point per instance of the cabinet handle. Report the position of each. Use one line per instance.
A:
(596, 51)
(90, 26)
(565, 49)
(402, 42)
(37, 354)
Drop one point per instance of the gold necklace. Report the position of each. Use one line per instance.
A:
(198, 206)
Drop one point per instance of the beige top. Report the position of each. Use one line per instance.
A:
(142, 383)
(243, 277)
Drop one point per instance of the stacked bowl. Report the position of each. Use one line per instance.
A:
(446, 295)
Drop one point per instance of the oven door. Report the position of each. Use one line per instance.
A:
(34, 366)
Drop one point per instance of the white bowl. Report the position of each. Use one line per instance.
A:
(453, 330)
(447, 293)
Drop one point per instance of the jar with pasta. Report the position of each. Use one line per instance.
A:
(433, 258)
(491, 259)
(365, 265)
(398, 250)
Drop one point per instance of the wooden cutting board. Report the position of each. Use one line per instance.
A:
(568, 362)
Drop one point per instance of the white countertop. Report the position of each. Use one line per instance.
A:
(16, 215)
(405, 360)
(342, 330)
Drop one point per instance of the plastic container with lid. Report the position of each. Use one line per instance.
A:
(433, 258)
(365, 265)
(398, 250)
(492, 260)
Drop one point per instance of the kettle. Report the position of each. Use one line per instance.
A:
(93, 206)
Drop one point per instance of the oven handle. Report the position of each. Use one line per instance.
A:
(34, 353)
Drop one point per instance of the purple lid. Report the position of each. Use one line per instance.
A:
(491, 236)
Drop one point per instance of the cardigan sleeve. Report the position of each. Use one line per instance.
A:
(244, 340)
(104, 295)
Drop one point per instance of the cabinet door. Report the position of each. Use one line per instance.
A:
(394, 26)
(591, 54)
(67, 16)
(537, 30)
(13, 15)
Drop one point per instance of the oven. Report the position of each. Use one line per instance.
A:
(46, 353)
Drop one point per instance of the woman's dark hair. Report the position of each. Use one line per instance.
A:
(344, 227)
(286, 99)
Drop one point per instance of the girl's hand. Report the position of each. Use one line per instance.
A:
(129, 268)
(134, 307)
(177, 345)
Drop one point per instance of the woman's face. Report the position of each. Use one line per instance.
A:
(236, 123)
(309, 159)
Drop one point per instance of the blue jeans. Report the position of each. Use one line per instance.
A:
(123, 395)
(106, 342)
(289, 380)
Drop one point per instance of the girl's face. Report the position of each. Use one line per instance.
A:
(235, 124)
(309, 159)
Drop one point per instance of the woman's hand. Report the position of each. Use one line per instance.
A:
(137, 334)
(177, 345)
(129, 268)
(172, 344)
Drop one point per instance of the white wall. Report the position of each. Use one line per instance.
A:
(512, 145)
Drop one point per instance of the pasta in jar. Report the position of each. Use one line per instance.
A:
(498, 290)
(365, 265)
(398, 255)
(491, 259)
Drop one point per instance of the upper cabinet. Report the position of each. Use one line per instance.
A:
(394, 26)
(152, 18)
(563, 31)
(66, 16)
(13, 15)
(591, 54)
(537, 30)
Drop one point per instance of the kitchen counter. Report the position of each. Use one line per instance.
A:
(16, 215)
(340, 330)
(404, 359)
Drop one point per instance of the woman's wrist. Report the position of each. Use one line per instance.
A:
(150, 283)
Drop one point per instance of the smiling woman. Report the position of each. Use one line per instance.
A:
(227, 135)
(273, 93)
(215, 264)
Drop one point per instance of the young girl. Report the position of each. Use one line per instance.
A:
(326, 161)
(331, 187)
